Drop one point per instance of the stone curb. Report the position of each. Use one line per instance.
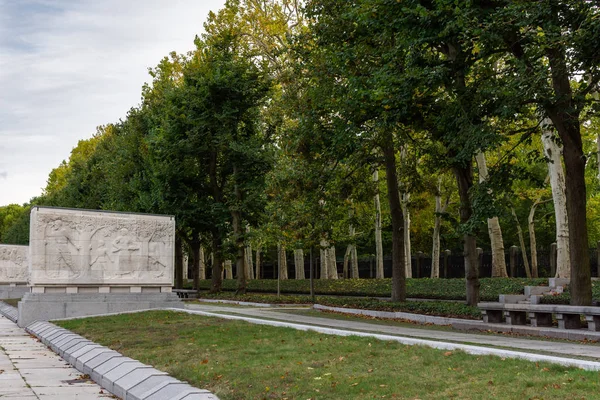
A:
(122, 376)
(420, 318)
(548, 332)
(9, 311)
(469, 349)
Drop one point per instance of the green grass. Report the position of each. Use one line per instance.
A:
(12, 302)
(437, 308)
(237, 360)
(424, 288)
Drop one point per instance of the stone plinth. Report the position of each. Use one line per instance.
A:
(48, 306)
(103, 249)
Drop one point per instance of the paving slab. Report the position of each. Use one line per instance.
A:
(32, 371)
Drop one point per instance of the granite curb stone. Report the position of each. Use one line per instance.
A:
(421, 318)
(120, 375)
(9, 311)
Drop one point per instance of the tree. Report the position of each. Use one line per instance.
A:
(547, 45)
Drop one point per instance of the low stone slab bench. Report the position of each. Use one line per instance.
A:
(568, 317)
(185, 293)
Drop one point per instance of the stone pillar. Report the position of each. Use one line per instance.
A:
(553, 260)
(514, 250)
(447, 254)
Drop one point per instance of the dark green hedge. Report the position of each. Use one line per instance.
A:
(442, 289)
(438, 308)
(565, 298)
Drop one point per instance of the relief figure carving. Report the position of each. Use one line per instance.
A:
(124, 248)
(57, 242)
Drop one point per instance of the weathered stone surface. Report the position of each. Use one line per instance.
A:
(13, 264)
(75, 247)
(50, 306)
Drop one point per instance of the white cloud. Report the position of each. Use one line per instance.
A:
(67, 67)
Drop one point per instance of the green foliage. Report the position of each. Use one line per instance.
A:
(9, 216)
(442, 289)
(438, 308)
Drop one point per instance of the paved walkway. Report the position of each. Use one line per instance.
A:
(557, 348)
(29, 370)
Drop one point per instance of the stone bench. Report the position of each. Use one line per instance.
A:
(568, 317)
(185, 293)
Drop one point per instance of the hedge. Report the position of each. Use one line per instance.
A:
(424, 288)
(438, 308)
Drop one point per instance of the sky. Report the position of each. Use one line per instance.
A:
(68, 66)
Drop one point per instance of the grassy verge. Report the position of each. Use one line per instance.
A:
(442, 289)
(236, 360)
(437, 308)
(12, 302)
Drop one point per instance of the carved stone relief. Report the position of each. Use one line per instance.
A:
(13, 264)
(95, 247)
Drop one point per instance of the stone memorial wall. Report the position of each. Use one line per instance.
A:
(96, 248)
(13, 264)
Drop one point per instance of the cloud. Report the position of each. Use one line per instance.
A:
(3, 174)
(67, 67)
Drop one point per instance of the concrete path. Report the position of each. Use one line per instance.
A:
(29, 370)
(557, 348)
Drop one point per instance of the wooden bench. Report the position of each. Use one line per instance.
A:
(568, 317)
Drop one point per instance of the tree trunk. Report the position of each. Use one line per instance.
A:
(347, 256)
(331, 263)
(405, 198)
(196, 262)
(258, 269)
(565, 117)
(354, 263)
(464, 179)
(532, 238)
(552, 151)
(398, 258)
(217, 280)
(324, 260)
(378, 240)
(522, 243)
(178, 263)
(248, 258)
(532, 241)
(228, 269)
(435, 251)
(282, 261)
(248, 263)
(494, 230)
(299, 263)
(238, 238)
(201, 263)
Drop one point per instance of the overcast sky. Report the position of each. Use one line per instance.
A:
(67, 66)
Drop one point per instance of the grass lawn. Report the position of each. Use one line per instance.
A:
(12, 302)
(237, 360)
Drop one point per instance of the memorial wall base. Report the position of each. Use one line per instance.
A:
(12, 291)
(50, 306)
